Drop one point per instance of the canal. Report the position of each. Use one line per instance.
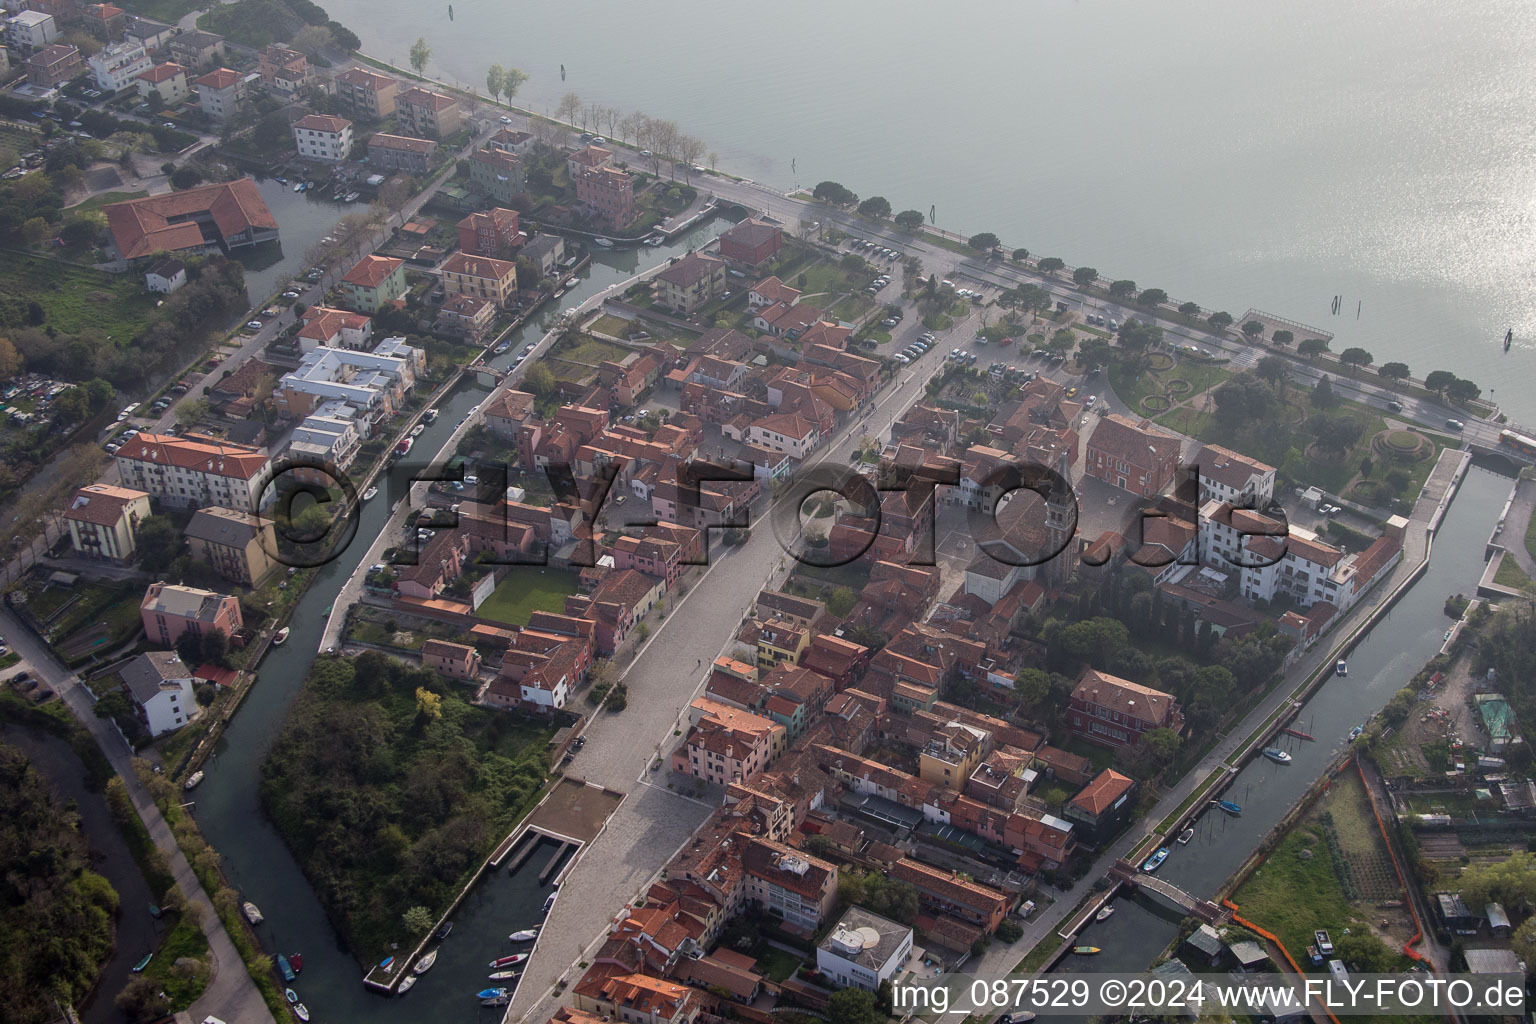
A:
(1383, 663)
(255, 859)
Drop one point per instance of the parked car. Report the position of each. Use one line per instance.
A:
(254, 325)
(1455, 424)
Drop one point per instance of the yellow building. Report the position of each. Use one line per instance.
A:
(103, 520)
(237, 545)
(480, 277)
(953, 752)
(779, 643)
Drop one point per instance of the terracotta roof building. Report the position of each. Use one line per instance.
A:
(193, 471)
(1132, 455)
(229, 215)
(366, 94)
(103, 521)
(480, 276)
(1116, 712)
(401, 153)
(374, 283)
(1103, 807)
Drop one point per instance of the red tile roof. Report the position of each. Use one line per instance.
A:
(1100, 794)
(480, 266)
(371, 271)
(323, 123)
(219, 78)
(162, 73)
(158, 223)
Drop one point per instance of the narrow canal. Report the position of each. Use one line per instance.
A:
(1382, 664)
(259, 865)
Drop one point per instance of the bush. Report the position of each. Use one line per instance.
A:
(1010, 931)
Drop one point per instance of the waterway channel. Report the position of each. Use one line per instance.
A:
(255, 859)
(1383, 663)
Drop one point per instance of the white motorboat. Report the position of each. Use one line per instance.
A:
(406, 985)
(1106, 913)
(425, 963)
(526, 935)
(193, 780)
(252, 914)
(280, 637)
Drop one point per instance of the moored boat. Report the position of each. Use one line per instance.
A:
(297, 960)
(387, 964)
(526, 935)
(405, 446)
(508, 961)
(138, 968)
(502, 975)
(1277, 755)
(1341, 667)
(1156, 860)
(301, 1011)
(1230, 807)
(1086, 950)
(417, 429)
(285, 968)
(1105, 912)
(430, 416)
(549, 903)
(425, 963)
(1354, 733)
(406, 985)
(488, 995)
(280, 637)
(605, 243)
(370, 494)
(193, 780)
(1186, 836)
(252, 914)
(572, 282)
(444, 931)
(291, 995)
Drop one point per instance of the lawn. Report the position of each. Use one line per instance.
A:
(613, 326)
(777, 964)
(825, 279)
(1201, 374)
(184, 939)
(1295, 892)
(95, 203)
(1511, 575)
(525, 591)
(77, 298)
(584, 349)
(1530, 536)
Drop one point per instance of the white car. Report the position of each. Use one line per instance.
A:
(254, 325)
(504, 119)
(903, 360)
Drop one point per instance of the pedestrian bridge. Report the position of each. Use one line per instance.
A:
(1130, 874)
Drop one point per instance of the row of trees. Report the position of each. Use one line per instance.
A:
(662, 138)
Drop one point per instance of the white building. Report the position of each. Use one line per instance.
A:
(548, 694)
(31, 30)
(373, 383)
(323, 137)
(118, 64)
(1228, 476)
(330, 435)
(160, 684)
(193, 471)
(166, 276)
(863, 950)
(785, 432)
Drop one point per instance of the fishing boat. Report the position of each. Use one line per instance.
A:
(406, 985)
(430, 415)
(1155, 861)
(1105, 913)
(445, 931)
(252, 914)
(138, 968)
(1230, 807)
(1341, 667)
(502, 975)
(405, 446)
(425, 963)
(193, 780)
(1086, 950)
(1186, 836)
(492, 996)
(370, 494)
(508, 961)
(605, 243)
(291, 995)
(526, 935)
(417, 430)
(301, 1011)
(297, 960)
(280, 637)
(1277, 755)
(502, 348)
(285, 968)
(549, 903)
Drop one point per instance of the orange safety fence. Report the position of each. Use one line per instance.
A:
(1272, 937)
(1418, 934)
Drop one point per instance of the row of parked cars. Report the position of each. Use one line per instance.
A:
(874, 249)
(914, 351)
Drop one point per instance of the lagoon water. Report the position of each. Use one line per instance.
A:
(1267, 156)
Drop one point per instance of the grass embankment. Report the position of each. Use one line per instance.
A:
(79, 298)
(1510, 574)
(391, 789)
(1296, 891)
(526, 590)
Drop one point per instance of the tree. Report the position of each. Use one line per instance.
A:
(1153, 297)
(10, 360)
(1310, 348)
(215, 647)
(1462, 391)
(1189, 308)
(539, 380)
(1394, 371)
(159, 544)
(189, 648)
(1282, 338)
(984, 242)
(841, 601)
(1524, 940)
(141, 999)
(1219, 321)
(835, 194)
(417, 920)
(853, 1006)
(1051, 264)
(1062, 339)
(1084, 276)
(1323, 396)
(1334, 433)
(1243, 399)
(1162, 744)
(1439, 380)
(1032, 685)
(877, 207)
(1122, 289)
(494, 76)
(421, 53)
(1253, 330)
(1355, 356)
(1137, 338)
(34, 230)
(1273, 370)
(909, 220)
(429, 705)
(512, 80)
(1095, 640)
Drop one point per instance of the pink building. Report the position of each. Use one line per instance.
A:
(169, 610)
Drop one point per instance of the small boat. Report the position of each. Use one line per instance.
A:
(193, 780)
(549, 903)
(138, 968)
(572, 282)
(1277, 755)
(1324, 943)
(1341, 667)
(1230, 807)
(327, 613)
(1107, 912)
(155, 912)
(485, 996)
(526, 935)
(370, 494)
(351, 197)
(291, 995)
(605, 243)
(1155, 861)
(1509, 338)
(502, 975)
(559, 292)
(387, 963)
(656, 240)
(297, 960)
(430, 416)
(416, 431)
(502, 348)
(406, 985)
(1086, 950)
(280, 637)
(252, 914)
(508, 961)
(1186, 836)
(425, 963)
(1354, 733)
(280, 180)
(298, 186)
(405, 446)
(301, 1011)
(285, 968)
(445, 931)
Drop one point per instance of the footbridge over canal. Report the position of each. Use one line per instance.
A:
(1128, 874)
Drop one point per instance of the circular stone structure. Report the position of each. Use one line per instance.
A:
(1180, 386)
(1157, 403)
(1402, 445)
(1160, 361)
